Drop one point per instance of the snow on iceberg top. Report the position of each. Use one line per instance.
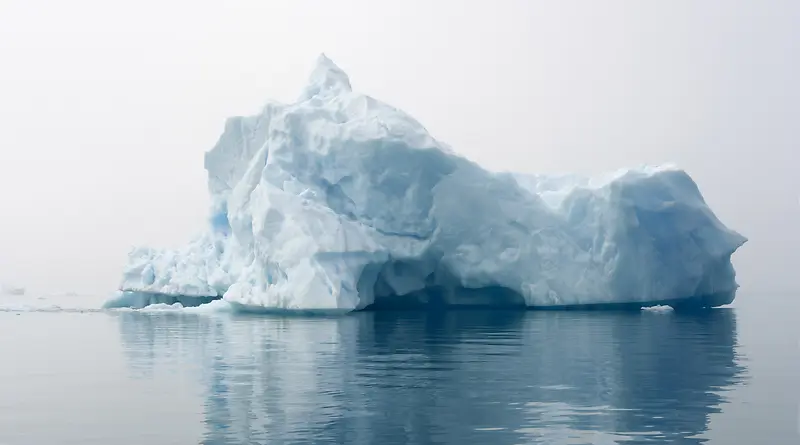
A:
(338, 201)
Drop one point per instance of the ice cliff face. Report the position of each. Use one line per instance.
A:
(338, 201)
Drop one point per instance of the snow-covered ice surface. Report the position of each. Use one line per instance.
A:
(338, 201)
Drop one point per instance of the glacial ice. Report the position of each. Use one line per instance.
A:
(338, 202)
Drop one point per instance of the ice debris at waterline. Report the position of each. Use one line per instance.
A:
(338, 201)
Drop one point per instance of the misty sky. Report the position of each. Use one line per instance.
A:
(106, 108)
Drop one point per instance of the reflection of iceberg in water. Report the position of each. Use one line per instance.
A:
(458, 377)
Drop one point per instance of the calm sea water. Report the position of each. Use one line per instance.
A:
(728, 376)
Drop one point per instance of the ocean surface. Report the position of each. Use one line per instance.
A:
(72, 374)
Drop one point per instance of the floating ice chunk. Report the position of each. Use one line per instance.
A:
(337, 201)
(7, 289)
(658, 309)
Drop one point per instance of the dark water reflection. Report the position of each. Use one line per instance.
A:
(456, 377)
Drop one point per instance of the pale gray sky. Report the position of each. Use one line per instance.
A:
(106, 108)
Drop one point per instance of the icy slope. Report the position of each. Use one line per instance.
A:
(338, 201)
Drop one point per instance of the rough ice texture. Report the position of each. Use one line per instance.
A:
(338, 202)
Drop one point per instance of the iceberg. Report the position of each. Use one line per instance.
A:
(8, 289)
(339, 202)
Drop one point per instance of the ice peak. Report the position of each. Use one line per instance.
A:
(326, 79)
